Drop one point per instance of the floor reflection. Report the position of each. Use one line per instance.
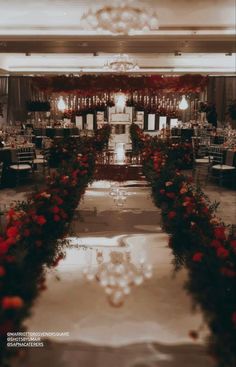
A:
(136, 355)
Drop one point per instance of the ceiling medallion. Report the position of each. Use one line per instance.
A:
(121, 19)
(121, 63)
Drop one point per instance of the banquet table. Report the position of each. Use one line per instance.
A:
(184, 134)
(56, 132)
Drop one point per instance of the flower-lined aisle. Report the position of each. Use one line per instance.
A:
(199, 240)
(35, 229)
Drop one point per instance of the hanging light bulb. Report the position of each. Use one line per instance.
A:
(61, 105)
(183, 105)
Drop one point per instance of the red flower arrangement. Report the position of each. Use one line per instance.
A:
(30, 239)
(87, 85)
(198, 256)
(196, 234)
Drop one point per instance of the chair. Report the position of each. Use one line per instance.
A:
(42, 158)
(218, 169)
(201, 159)
(24, 162)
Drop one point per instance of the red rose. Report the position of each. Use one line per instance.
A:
(56, 218)
(40, 219)
(220, 233)
(11, 213)
(171, 214)
(12, 232)
(228, 272)
(4, 246)
(12, 303)
(215, 243)
(2, 271)
(11, 241)
(197, 257)
(222, 252)
(188, 199)
(162, 192)
(55, 209)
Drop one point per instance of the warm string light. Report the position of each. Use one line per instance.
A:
(165, 105)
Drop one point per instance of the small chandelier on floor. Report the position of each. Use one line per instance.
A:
(121, 19)
(118, 275)
(121, 63)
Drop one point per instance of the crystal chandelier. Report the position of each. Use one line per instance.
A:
(118, 275)
(121, 63)
(121, 19)
(183, 105)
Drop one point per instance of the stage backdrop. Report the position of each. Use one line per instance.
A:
(20, 89)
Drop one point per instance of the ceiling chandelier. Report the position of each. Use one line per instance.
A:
(121, 63)
(121, 19)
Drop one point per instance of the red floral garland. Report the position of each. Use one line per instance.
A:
(199, 240)
(88, 85)
(33, 228)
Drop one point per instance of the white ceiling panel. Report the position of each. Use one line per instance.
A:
(49, 31)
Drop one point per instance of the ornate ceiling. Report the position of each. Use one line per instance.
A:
(46, 37)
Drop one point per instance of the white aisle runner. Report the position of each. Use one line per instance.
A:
(159, 311)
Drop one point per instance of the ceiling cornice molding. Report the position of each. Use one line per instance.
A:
(186, 35)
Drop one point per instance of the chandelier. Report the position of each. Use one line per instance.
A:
(121, 63)
(118, 275)
(121, 19)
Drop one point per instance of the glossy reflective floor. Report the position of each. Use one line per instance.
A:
(152, 327)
